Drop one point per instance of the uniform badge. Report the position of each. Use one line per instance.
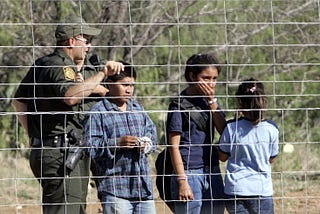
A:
(69, 73)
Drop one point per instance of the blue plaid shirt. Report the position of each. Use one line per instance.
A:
(120, 172)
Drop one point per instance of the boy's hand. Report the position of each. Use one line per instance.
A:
(128, 142)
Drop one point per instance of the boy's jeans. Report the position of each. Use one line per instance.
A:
(114, 205)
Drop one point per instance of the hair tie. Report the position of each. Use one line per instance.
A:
(253, 89)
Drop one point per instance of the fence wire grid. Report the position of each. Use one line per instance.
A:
(276, 42)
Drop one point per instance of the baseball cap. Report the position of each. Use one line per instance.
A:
(73, 26)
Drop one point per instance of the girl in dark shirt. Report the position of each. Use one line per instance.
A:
(195, 160)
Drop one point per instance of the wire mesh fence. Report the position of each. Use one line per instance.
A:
(275, 42)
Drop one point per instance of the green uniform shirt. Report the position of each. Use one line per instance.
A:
(43, 90)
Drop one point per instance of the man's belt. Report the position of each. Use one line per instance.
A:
(56, 141)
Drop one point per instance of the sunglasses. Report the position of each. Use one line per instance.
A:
(84, 40)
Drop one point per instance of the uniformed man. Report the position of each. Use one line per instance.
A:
(54, 94)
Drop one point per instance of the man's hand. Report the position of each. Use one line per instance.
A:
(79, 77)
(112, 68)
(100, 91)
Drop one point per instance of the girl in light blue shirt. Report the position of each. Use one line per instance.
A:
(250, 144)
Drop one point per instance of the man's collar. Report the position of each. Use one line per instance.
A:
(61, 53)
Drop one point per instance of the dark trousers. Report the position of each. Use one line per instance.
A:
(63, 192)
(250, 204)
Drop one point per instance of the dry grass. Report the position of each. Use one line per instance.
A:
(295, 191)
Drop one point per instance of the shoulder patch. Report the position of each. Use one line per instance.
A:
(69, 73)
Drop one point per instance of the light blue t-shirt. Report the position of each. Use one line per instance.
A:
(249, 148)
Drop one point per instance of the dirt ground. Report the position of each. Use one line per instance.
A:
(94, 208)
(292, 194)
(294, 204)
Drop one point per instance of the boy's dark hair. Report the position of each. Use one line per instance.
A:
(251, 95)
(129, 71)
(199, 62)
